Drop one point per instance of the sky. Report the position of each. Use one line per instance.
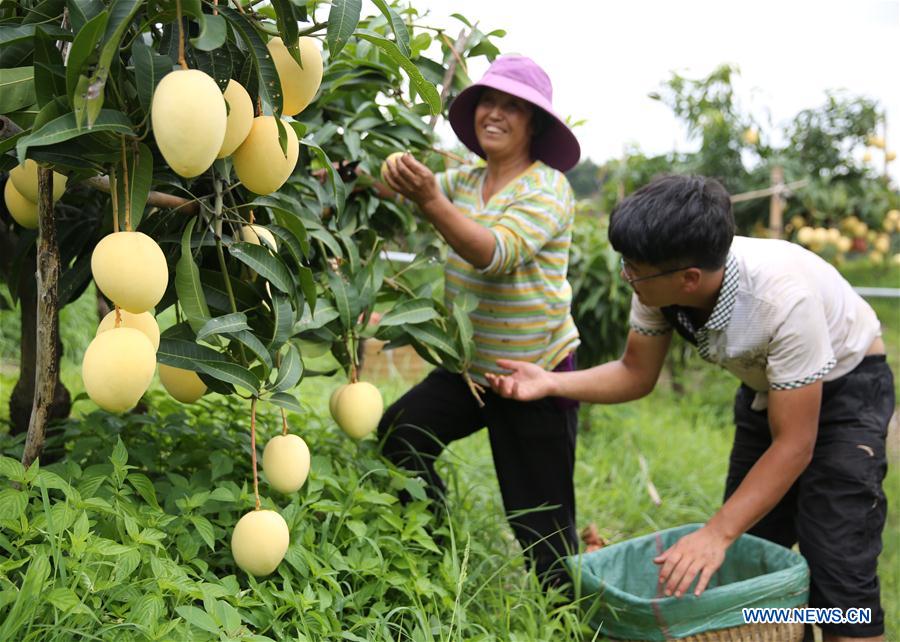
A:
(605, 57)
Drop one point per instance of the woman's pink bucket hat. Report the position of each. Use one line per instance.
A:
(521, 77)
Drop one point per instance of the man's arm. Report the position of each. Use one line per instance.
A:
(794, 422)
(631, 377)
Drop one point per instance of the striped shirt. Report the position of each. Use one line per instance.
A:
(524, 298)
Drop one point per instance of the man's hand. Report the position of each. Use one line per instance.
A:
(527, 381)
(412, 179)
(702, 552)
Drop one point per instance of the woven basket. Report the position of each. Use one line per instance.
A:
(749, 633)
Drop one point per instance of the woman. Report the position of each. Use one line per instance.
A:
(508, 224)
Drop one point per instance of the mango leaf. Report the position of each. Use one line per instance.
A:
(308, 285)
(64, 128)
(233, 322)
(289, 241)
(287, 22)
(413, 311)
(181, 353)
(269, 83)
(339, 191)
(49, 70)
(264, 263)
(140, 179)
(464, 325)
(46, 11)
(341, 300)
(82, 49)
(290, 221)
(286, 401)
(256, 346)
(82, 11)
(149, 68)
(284, 320)
(401, 33)
(11, 35)
(289, 371)
(216, 63)
(431, 335)
(342, 21)
(422, 86)
(231, 373)
(188, 285)
(213, 30)
(16, 88)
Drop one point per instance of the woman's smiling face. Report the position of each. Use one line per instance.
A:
(503, 123)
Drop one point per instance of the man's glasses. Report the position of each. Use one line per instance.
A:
(626, 272)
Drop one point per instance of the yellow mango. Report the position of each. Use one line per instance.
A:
(259, 162)
(240, 118)
(23, 211)
(298, 84)
(189, 120)
(117, 368)
(25, 178)
(260, 541)
(358, 409)
(286, 463)
(130, 269)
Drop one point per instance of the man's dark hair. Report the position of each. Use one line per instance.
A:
(675, 221)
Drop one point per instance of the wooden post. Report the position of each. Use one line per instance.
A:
(776, 204)
(47, 361)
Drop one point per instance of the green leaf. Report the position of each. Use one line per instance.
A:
(12, 469)
(65, 599)
(290, 371)
(213, 30)
(342, 21)
(230, 373)
(308, 285)
(284, 320)
(196, 617)
(205, 529)
(217, 64)
(220, 325)
(256, 346)
(119, 456)
(10, 35)
(412, 311)
(27, 600)
(269, 82)
(401, 33)
(341, 300)
(338, 188)
(83, 49)
(149, 68)
(431, 335)
(16, 89)
(12, 504)
(186, 354)
(422, 86)
(264, 263)
(82, 11)
(286, 401)
(140, 179)
(49, 70)
(145, 488)
(287, 22)
(293, 224)
(64, 128)
(188, 286)
(464, 324)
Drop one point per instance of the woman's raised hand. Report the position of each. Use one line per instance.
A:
(412, 179)
(526, 382)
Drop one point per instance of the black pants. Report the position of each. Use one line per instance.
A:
(836, 509)
(533, 445)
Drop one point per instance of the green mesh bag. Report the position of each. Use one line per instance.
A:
(623, 580)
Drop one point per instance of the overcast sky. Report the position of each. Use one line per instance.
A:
(605, 57)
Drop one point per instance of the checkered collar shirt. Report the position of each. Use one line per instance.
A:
(784, 318)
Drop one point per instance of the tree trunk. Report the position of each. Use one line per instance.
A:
(47, 344)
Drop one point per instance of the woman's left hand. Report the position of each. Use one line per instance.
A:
(412, 179)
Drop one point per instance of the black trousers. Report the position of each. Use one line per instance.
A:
(533, 446)
(836, 509)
